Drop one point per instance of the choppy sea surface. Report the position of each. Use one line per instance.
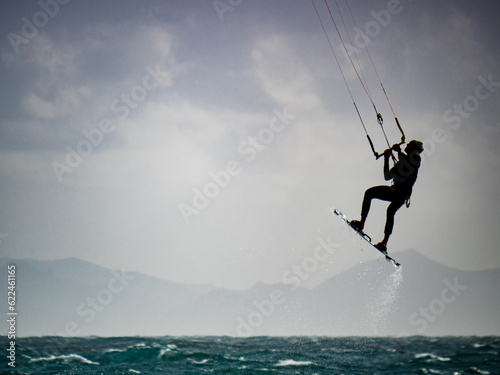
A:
(254, 355)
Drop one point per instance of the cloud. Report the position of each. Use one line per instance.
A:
(283, 74)
(222, 84)
(66, 102)
(68, 87)
(445, 55)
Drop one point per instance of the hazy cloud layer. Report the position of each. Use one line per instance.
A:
(115, 116)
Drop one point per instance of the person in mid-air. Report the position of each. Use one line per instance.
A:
(404, 174)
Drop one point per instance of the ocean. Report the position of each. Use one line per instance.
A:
(254, 355)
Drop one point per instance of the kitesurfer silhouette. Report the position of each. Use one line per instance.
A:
(404, 174)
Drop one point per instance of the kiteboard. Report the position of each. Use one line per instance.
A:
(364, 236)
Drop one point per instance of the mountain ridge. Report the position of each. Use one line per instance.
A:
(79, 298)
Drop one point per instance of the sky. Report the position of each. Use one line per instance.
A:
(206, 141)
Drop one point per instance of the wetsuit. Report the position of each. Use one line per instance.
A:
(404, 174)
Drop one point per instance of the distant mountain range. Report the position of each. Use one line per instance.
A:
(77, 298)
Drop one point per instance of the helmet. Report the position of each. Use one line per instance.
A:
(416, 145)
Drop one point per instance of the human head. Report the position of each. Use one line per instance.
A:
(415, 146)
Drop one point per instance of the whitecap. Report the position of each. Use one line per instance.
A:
(112, 350)
(430, 371)
(69, 357)
(162, 352)
(432, 357)
(169, 348)
(202, 362)
(478, 371)
(291, 362)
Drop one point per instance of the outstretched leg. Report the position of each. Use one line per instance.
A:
(384, 193)
(377, 192)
